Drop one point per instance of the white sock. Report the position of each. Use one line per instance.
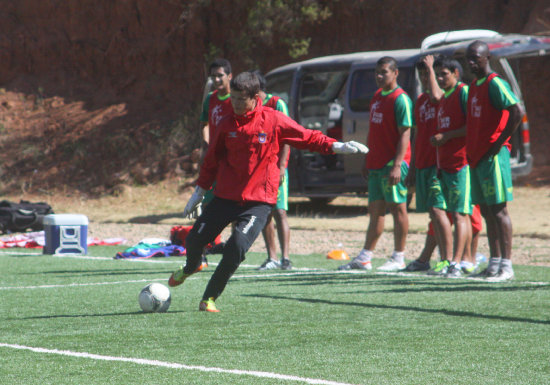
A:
(506, 265)
(364, 255)
(398, 256)
(494, 264)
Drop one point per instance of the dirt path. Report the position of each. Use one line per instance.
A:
(321, 229)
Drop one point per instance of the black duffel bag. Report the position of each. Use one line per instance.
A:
(22, 216)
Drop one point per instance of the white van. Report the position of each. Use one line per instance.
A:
(333, 93)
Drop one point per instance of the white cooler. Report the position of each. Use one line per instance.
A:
(66, 234)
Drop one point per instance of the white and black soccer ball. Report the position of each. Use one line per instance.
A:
(155, 298)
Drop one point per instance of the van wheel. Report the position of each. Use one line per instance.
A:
(320, 202)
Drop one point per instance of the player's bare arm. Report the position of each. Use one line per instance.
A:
(516, 115)
(436, 93)
(404, 138)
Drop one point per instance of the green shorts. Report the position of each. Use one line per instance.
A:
(456, 190)
(492, 180)
(379, 189)
(428, 190)
(282, 195)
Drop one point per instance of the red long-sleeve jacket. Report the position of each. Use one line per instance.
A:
(243, 158)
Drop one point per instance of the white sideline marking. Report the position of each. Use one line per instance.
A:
(269, 275)
(79, 284)
(163, 279)
(173, 365)
(19, 253)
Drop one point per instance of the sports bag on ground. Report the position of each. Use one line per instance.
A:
(22, 216)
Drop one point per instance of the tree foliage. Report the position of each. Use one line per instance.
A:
(259, 26)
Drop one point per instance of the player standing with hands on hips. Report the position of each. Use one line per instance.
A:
(493, 115)
(243, 159)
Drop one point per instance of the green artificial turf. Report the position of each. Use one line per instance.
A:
(314, 323)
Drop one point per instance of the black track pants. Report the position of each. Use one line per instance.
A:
(249, 221)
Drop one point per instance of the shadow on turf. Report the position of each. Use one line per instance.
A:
(99, 272)
(426, 285)
(302, 209)
(454, 313)
(88, 315)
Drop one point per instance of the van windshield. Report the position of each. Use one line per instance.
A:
(363, 86)
(321, 98)
(280, 85)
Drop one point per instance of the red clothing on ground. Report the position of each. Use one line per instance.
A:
(243, 158)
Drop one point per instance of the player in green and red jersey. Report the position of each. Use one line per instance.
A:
(450, 143)
(215, 107)
(217, 103)
(423, 170)
(281, 207)
(494, 114)
(386, 166)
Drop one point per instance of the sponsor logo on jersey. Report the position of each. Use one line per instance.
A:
(216, 114)
(376, 117)
(444, 121)
(476, 110)
(426, 112)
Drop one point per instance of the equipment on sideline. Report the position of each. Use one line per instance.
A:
(22, 216)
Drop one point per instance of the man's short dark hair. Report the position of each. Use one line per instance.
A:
(246, 82)
(261, 79)
(479, 46)
(220, 63)
(449, 63)
(387, 60)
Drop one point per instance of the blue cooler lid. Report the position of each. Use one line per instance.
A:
(65, 220)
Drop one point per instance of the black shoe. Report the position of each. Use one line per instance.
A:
(417, 265)
(286, 264)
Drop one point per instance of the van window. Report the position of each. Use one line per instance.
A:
(280, 85)
(319, 94)
(363, 87)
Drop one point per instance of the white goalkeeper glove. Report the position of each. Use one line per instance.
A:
(351, 147)
(193, 207)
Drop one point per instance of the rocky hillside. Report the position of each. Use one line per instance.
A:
(98, 94)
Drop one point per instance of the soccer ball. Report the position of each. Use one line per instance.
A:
(155, 297)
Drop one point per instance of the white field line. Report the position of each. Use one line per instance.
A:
(164, 279)
(173, 365)
(20, 252)
(265, 275)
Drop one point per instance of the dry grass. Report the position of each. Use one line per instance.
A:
(150, 211)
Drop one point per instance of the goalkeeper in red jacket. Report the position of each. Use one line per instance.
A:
(243, 159)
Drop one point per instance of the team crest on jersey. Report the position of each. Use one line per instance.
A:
(262, 137)
(232, 134)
